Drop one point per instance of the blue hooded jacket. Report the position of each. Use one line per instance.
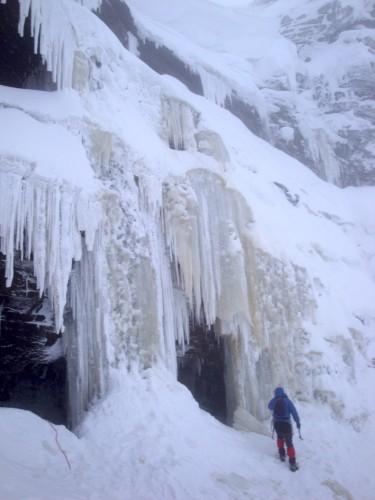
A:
(290, 408)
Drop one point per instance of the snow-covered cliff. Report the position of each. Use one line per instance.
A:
(148, 209)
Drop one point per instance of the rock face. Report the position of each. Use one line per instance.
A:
(32, 369)
(323, 111)
(323, 114)
(336, 48)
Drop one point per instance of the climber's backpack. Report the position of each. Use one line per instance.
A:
(280, 409)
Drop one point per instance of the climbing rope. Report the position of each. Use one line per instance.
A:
(58, 444)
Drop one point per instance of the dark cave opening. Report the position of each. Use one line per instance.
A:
(201, 370)
(32, 367)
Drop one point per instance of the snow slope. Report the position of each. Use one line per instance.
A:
(148, 439)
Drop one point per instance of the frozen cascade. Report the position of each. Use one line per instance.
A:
(325, 157)
(186, 251)
(321, 150)
(249, 296)
(203, 224)
(148, 311)
(84, 335)
(215, 88)
(171, 303)
(180, 122)
(182, 129)
(55, 224)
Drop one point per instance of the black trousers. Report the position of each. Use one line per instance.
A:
(284, 431)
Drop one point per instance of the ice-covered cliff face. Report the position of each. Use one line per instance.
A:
(147, 208)
(299, 74)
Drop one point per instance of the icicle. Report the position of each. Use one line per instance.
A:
(45, 218)
(83, 339)
(250, 296)
(214, 87)
(10, 191)
(203, 231)
(54, 37)
(180, 119)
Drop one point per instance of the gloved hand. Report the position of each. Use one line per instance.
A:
(298, 426)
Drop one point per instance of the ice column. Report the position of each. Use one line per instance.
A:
(180, 123)
(83, 339)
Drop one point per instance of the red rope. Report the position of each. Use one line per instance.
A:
(58, 444)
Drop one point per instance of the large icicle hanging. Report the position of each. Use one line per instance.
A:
(53, 33)
(44, 218)
(54, 37)
(203, 223)
(149, 312)
(83, 339)
(215, 88)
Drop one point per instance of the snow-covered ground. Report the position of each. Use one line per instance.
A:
(149, 440)
(146, 437)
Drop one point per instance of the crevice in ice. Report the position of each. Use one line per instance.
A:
(116, 15)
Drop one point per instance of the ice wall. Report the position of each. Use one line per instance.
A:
(148, 310)
(255, 301)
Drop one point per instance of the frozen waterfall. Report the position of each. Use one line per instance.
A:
(160, 236)
(196, 259)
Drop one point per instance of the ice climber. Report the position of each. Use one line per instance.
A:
(282, 407)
